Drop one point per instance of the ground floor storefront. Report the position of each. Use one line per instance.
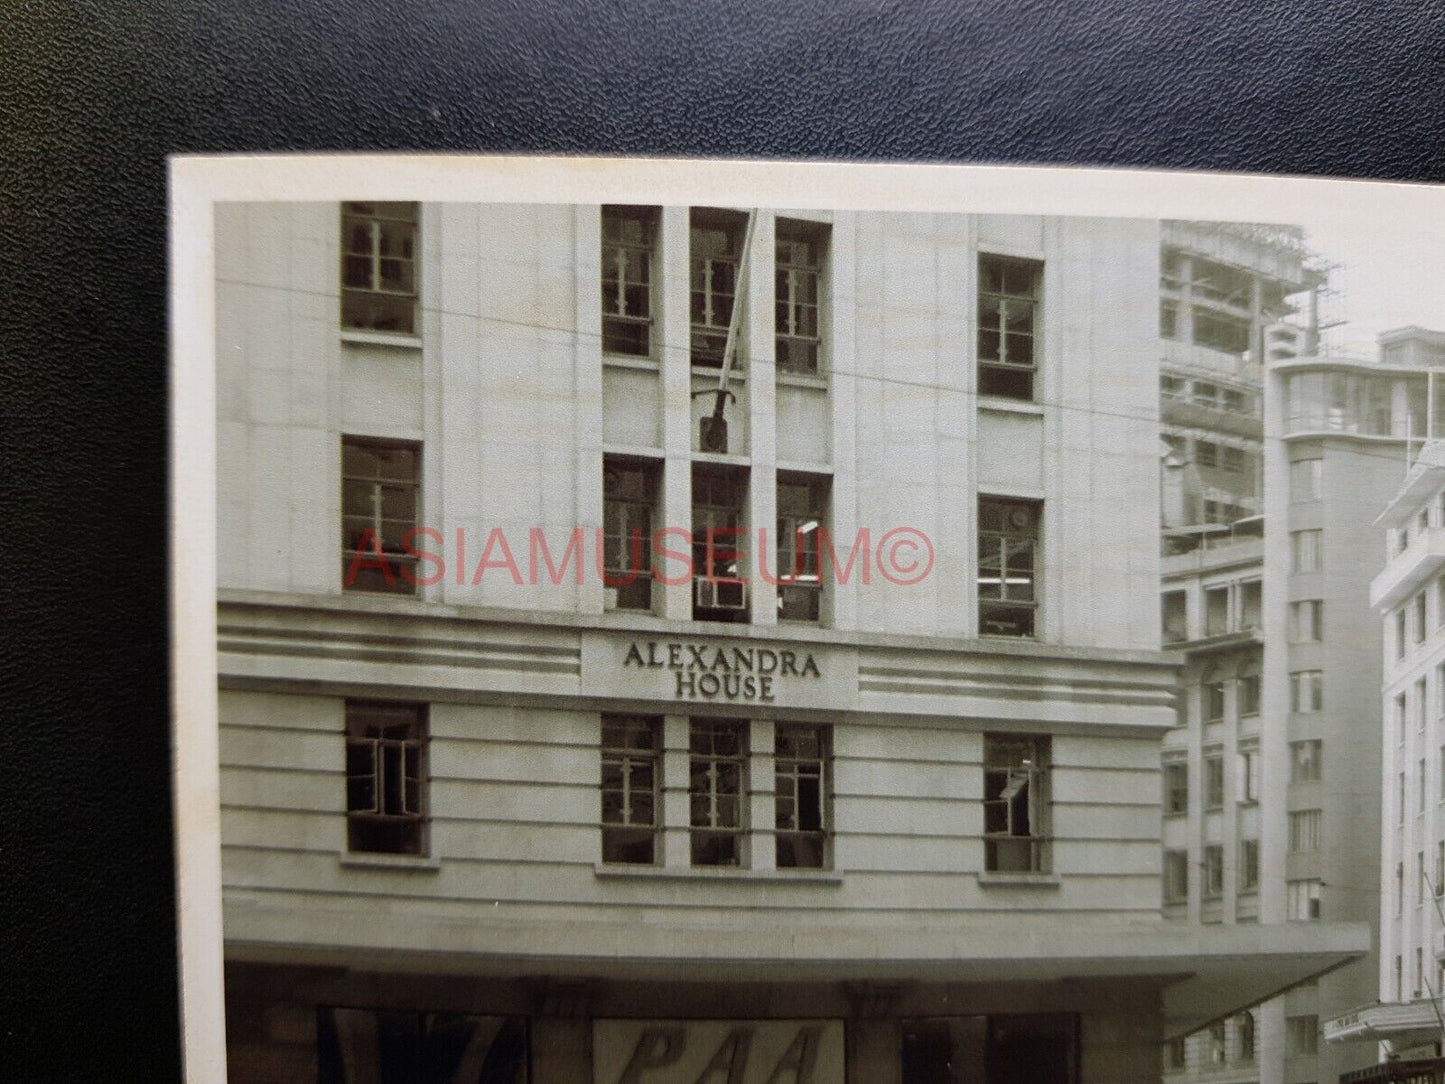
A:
(352, 1026)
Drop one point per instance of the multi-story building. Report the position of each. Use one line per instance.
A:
(668, 644)
(1409, 594)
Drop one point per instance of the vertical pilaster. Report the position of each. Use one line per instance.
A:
(675, 350)
(762, 788)
(676, 844)
(761, 397)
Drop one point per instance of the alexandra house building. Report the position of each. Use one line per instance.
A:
(696, 644)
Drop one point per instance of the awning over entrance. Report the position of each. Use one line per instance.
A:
(1403, 1024)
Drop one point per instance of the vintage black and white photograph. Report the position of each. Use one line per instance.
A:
(649, 622)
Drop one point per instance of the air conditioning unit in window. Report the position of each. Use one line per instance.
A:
(712, 435)
(719, 594)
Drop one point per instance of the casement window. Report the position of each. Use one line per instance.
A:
(629, 244)
(629, 496)
(1247, 691)
(1015, 803)
(1305, 479)
(1400, 799)
(714, 260)
(1251, 600)
(720, 588)
(378, 266)
(1216, 610)
(1438, 881)
(802, 516)
(1419, 971)
(380, 490)
(1173, 387)
(1304, 831)
(802, 795)
(1248, 865)
(1420, 785)
(1399, 888)
(1302, 900)
(1402, 636)
(1176, 876)
(1401, 714)
(386, 777)
(631, 789)
(717, 791)
(1305, 550)
(1249, 763)
(1422, 703)
(1302, 1036)
(1399, 978)
(1419, 625)
(1206, 453)
(1305, 761)
(1168, 319)
(1008, 545)
(1213, 871)
(1008, 312)
(389, 1046)
(1206, 394)
(1440, 603)
(1214, 781)
(1419, 878)
(1244, 1029)
(798, 295)
(1307, 690)
(1238, 402)
(1174, 616)
(1176, 788)
(1306, 621)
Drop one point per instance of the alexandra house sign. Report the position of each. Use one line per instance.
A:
(726, 672)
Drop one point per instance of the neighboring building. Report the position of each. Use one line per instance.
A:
(1409, 594)
(486, 818)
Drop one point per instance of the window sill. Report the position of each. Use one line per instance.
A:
(1009, 406)
(414, 863)
(732, 874)
(736, 373)
(381, 338)
(802, 380)
(1019, 880)
(626, 361)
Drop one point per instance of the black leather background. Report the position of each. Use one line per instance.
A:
(96, 94)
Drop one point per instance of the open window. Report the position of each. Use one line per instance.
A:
(629, 501)
(803, 795)
(1015, 803)
(386, 777)
(715, 261)
(720, 586)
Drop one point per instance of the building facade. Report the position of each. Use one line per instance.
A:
(664, 643)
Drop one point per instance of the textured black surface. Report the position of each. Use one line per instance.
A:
(96, 94)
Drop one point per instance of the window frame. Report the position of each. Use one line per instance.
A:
(798, 550)
(631, 760)
(1000, 372)
(623, 255)
(1012, 537)
(793, 770)
(1176, 788)
(789, 274)
(400, 560)
(628, 588)
(409, 753)
(1003, 782)
(405, 301)
(712, 842)
(708, 336)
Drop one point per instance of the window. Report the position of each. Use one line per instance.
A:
(1440, 601)
(1008, 300)
(1402, 638)
(1176, 788)
(1008, 541)
(1440, 689)
(1220, 332)
(385, 777)
(1305, 757)
(1215, 1044)
(1206, 453)
(1238, 402)
(1302, 1035)
(717, 786)
(396, 1047)
(1305, 476)
(1244, 1028)
(1419, 971)
(1305, 550)
(631, 788)
(1212, 693)
(1438, 881)
(1399, 888)
(802, 795)
(1400, 799)
(1306, 621)
(1178, 1053)
(720, 590)
(1307, 690)
(1247, 691)
(802, 513)
(1233, 459)
(1249, 775)
(629, 239)
(1304, 831)
(1213, 781)
(379, 490)
(1420, 626)
(1399, 979)
(629, 494)
(1176, 876)
(715, 258)
(799, 291)
(1015, 803)
(1168, 319)
(1419, 878)
(1400, 715)
(1206, 394)
(1420, 786)
(1173, 617)
(1251, 595)
(378, 267)
(1302, 900)
(1213, 871)
(1248, 865)
(1216, 611)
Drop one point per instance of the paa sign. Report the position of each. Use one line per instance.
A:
(717, 1052)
